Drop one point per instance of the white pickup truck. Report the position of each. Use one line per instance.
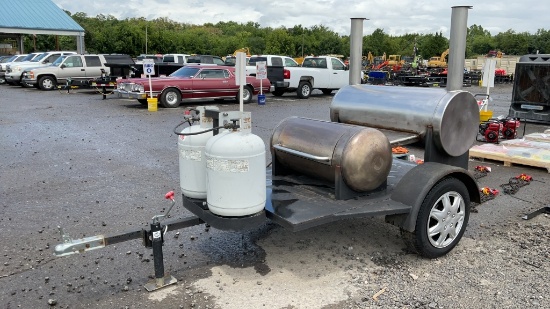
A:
(323, 72)
(326, 73)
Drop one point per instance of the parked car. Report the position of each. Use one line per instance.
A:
(15, 74)
(76, 70)
(4, 66)
(191, 82)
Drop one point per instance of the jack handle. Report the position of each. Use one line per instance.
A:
(168, 196)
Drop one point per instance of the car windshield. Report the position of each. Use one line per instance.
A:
(59, 60)
(28, 57)
(253, 60)
(9, 59)
(185, 72)
(19, 58)
(38, 58)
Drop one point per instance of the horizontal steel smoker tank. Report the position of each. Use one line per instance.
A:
(322, 149)
(453, 115)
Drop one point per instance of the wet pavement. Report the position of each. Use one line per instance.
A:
(96, 166)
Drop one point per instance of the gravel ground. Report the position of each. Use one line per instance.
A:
(102, 167)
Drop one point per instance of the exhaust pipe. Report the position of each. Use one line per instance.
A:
(457, 47)
(356, 50)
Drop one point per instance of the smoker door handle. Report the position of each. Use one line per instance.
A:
(324, 160)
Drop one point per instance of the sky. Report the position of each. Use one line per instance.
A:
(396, 17)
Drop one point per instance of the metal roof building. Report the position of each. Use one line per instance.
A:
(18, 17)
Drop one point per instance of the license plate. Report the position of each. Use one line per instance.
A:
(533, 107)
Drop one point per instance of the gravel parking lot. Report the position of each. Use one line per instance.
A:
(98, 166)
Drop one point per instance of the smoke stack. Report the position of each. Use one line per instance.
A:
(356, 50)
(457, 47)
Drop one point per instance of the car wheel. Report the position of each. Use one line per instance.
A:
(442, 219)
(326, 91)
(142, 101)
(278, 92)
(304, 90)
(46, 83)
(170, 98)
(247, 95)
(2, 80)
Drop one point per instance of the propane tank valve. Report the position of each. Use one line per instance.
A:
(232, 126)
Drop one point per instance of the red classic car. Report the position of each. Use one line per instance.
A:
(191, 82)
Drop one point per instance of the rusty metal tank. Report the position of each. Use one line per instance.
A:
(322, 149)
(453, 115)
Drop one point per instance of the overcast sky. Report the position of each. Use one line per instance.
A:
(396, 17)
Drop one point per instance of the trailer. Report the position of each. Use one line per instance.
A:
(321, 172)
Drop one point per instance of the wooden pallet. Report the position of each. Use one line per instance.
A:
(518, 151)
(538, 137)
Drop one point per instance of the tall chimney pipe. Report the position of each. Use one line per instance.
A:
(457, 47)
(356, 50)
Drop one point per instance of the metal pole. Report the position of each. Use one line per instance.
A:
(457, 47)
(356, 50)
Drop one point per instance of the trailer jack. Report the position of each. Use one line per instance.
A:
(152, 238)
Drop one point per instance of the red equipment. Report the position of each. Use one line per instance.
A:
(510, 129)
(495, 129)
(489, 191)
(524, 177)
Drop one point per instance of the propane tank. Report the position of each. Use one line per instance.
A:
(192, 161)
(235, 171)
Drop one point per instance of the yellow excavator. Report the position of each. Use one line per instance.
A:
(439, 62)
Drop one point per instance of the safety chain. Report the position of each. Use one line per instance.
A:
(513, 185)
(479, 174)
(481, 171)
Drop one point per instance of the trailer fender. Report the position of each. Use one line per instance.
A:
(417, 183)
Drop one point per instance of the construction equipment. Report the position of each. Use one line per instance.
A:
(439, 62)
(395, 62)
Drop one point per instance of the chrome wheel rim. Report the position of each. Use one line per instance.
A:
(172, 98)
(246, 94)
(446, 219)
(305, 90)
(47, 84)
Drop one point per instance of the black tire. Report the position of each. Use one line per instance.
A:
(248, 93)
(452, 222)
(142, 101)
(278, 92)
(2, 80)
(326, 91)
(170, 98)
(47, 83)
(304, 90)
(26, 85)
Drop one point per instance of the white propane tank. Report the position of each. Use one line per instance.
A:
(236, 173)
(192, 161)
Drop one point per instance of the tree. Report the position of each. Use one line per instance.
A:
(279, 42)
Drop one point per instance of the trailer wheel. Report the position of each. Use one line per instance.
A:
(142, 101)
(304, 90)
(442, 219)
(170, 98)
(47, 83)
(247, 95)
